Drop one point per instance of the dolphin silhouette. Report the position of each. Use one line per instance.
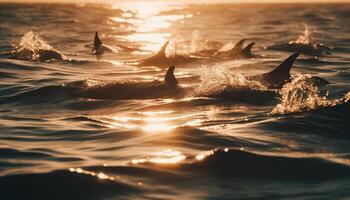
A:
(276, 78)
(168, 88)
(237, 51)
(161, 59)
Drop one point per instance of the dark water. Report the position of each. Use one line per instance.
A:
(57, 146)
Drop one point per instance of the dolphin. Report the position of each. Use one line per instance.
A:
(236, 48)
(279, 76)
(161, 59)
(237, 52)
(272, 81)
(167, 88)
(99, 47)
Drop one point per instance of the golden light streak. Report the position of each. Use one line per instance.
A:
(153, 121)
(167, 156)
(205, 154)
(86, 172)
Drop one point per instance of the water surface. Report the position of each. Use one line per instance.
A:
(55, 146)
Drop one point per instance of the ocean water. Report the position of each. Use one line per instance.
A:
(293, 144)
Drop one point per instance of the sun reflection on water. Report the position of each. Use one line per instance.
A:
(154, 121)
(167, 156)
(158, 127)
(99, 175)
(205, 154)
(149, 22)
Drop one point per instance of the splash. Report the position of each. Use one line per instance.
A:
(303, 94)
(196, 44)
(33, 42)
(85, 84)
(306, 38)
(218, 78)
(33, 48)
(200, 43)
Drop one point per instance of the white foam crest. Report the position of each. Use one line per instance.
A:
(33, 48)
(85, 84)
(217, 78)
(33, 42)
(302, 94)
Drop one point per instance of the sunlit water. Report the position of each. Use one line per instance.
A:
(55, 146)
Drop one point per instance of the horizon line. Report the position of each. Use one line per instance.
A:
(179, 1)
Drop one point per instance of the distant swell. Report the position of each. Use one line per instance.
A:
(103, 182)
(61, 185)
(43, 95)
(240, 164)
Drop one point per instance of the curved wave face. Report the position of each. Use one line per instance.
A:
(80, 120)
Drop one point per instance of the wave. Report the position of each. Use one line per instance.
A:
(137, 178)
(236, 164)
(18, 65)
(44, 95)
(7, 75)
(50, 186)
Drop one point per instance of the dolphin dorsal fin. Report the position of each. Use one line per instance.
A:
(285, 67)
(161, 52)
(247, 51)
(97, 41)
(170, 77)
(279, 76)
(238, 45)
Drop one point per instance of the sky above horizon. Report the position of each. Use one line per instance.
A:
(188, 1)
